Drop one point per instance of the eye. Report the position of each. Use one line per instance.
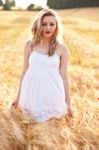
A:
(52, 24)
(44, 24)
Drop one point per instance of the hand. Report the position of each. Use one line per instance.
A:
(69, 111)
(15, 103)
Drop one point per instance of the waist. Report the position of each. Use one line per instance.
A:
(43, 71)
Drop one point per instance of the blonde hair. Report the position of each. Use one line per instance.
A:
(37, 30)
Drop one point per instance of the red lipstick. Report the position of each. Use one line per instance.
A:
(48, 32)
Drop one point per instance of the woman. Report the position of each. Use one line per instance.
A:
(43, 90)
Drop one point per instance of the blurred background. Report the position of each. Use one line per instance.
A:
(55, 4)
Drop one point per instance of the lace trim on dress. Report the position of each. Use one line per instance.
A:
(45, 115)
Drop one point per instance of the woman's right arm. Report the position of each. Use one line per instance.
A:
(25, 67)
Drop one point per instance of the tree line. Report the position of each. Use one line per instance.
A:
(11, 3)
(8, 4)
(62, 4)
(55, 4)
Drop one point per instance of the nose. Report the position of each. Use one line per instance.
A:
(48, 26)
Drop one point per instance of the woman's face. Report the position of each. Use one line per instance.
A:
(48, 26)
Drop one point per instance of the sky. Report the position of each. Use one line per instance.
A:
(25, 3)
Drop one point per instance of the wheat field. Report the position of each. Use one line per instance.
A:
(21, 132)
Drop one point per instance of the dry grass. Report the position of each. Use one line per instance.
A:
(21, 132)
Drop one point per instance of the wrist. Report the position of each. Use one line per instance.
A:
(17, 99)
(68, 105)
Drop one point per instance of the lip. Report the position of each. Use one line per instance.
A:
(48, 32)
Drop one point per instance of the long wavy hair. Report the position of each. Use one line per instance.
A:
(37, 31)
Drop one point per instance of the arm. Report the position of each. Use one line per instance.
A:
(64, 75)
(25, 67)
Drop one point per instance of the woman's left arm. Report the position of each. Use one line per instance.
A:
(64, 74)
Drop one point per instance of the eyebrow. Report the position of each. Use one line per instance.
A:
(46, 22)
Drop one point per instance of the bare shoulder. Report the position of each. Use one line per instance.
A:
(27, 48)
(63, 50)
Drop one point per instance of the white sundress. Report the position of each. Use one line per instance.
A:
(42, 91)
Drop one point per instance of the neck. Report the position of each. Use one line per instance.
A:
(45, 41)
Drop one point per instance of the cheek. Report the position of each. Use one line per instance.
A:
(43, 29)
(54, 28)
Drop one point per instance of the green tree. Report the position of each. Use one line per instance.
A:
(8, 4)
(1, 3)
(30, 7)
(62, 4)
(12, 3)
(34, 7)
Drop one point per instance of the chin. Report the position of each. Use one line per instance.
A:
(47, 35)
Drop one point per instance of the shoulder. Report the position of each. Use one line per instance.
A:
(27, 44)
(63, 49)
(27, 48)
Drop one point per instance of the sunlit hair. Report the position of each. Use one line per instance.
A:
(37, 31)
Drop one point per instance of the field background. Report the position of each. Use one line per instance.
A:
(81, 34)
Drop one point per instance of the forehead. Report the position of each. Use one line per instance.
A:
(49, 19)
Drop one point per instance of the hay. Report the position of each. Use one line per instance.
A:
(21, 132)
